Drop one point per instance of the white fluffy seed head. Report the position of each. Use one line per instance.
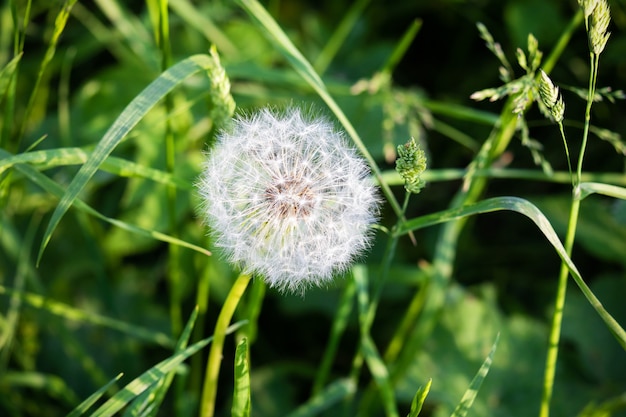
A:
(287, 199)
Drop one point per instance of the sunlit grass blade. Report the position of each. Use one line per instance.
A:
(588, 188)
(526, 208)
(148, 403)
(326, 399)
(370, 353)
(470, 395)
(55, 189)
(71, 313)
(151, 376)
(82, 408)
(51, 158)
(131, 115)
(241, 393)
(418, 400)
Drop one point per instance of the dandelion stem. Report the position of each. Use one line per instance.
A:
(207, 404)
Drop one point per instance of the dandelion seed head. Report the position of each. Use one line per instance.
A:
(287, 199)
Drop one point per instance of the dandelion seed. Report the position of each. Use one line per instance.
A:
(287, 199)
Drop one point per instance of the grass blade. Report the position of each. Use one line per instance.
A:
(91, 400)
(418, 400)
(151, 376)
(470, 395)
(148, 403)
(71, 313)
(529, 210)
(50, 158)
(588, 188)
(55, 189)
(131, 115)
(241, 393)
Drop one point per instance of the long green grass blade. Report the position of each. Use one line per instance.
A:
(55, 189)
(51, 158)
(529, 210)
(129, 118)
(470, 395)
(326, 399)
(152, 376)
(82, 408)
(241, 393)
(71, 313)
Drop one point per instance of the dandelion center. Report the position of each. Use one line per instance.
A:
(290, 198)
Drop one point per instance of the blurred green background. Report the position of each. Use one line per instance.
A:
(505, 272)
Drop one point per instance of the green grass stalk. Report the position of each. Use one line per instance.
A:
(559, 302)
(209, 392)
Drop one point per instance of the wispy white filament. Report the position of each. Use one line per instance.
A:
(287, 199)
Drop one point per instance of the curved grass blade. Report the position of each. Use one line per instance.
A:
(82, 408)
(241, 393)
(152, 376)
(131, 115)
(588, 188)
(71, 313)
(470, 395)
(418, 400)
(50, 158)
(55, 189)
(334, 393)
(529, 210)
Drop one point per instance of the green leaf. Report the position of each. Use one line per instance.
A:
(470, 395)
(51, 158)
(241, 393)
(418, 400)
(128, 119)
(55, 189)
(91, 400)
(588, 188)
(526, 208)
(71, 313)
